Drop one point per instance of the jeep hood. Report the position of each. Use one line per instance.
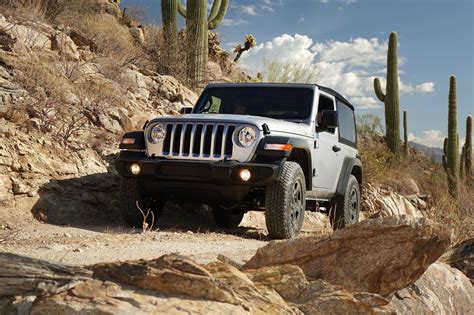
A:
(275, 125)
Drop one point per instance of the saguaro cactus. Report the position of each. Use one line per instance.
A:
(169, 12)
(391, 97)
(452, 154)
(405, 133)
(468, 152)
(197, 26)
(462, 163)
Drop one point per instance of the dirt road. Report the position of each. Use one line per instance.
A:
(190, 234)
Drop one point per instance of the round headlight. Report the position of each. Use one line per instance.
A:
(247, 136)
(157, 133)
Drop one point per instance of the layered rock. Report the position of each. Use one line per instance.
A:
(440, 290)
(378, 255)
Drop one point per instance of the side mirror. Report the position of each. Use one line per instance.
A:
(328, 120)
(186, 110)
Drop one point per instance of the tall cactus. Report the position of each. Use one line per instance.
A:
(468, 153)
(169, 12)
(405, 133)
(197, 26)
(462, 164)
(391, 97)
(452, 154)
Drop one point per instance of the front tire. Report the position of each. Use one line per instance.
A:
(285, 203)
(136, 206)
(347, 207)
(227, 217)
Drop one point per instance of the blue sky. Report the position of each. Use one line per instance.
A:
(347, 40)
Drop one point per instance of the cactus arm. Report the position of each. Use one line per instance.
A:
(182, 10)
(378, 90)
(214, 23)
(405, 132)
(445, 153)
(214, 10)
(468, 153)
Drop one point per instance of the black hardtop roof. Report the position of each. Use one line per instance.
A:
(286, 85)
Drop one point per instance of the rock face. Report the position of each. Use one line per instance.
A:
(462, 258)
(378, 255)
(380, 202)
(440, 290)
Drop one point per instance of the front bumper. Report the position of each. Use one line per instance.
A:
(195, 180)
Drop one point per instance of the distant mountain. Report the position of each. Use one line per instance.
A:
(428, 151)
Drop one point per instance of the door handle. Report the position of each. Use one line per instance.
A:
(335, 148)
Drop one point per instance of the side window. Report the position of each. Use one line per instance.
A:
(347, 131)
(325, 103)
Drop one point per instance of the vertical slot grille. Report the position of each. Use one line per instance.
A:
(217, 149)
(187, 140)
(198, 140)
(207, 140)
(228, 142)
(167, 141)
(177, 139)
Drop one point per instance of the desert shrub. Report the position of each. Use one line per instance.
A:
(383, 168)
(159, 58)
(47, 10)
(290, 72)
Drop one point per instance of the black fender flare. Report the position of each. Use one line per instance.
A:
(346, 171)
(137, 145)
(297, 143)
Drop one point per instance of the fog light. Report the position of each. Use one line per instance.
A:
(135, 169)
(245, 175)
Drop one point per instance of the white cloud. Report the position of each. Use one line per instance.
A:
(249, 10)
(232, 22)
(431, 138)
(348, 67)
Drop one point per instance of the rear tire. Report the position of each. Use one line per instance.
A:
(347, 207)
(133, 200)
(227, 217)
(285, 202)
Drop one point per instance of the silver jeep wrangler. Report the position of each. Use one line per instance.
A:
(278, 148)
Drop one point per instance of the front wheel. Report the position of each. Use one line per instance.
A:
(347, 207)
(285, 202)
(138, 210)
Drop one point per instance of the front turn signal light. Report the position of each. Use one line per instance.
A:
(278, 147)
(128, 140)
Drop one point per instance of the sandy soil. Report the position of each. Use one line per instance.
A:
(191, 234)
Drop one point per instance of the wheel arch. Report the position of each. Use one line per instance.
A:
(350, 166)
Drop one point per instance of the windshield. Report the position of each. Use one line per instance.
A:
(272, 102)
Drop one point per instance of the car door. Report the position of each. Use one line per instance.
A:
(327, 156)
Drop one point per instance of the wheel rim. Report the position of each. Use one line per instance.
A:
(296, 205)
(353, 208)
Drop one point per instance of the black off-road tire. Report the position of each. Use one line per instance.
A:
(347, 207)
(131, 196)
(227, 217)
(285, 202)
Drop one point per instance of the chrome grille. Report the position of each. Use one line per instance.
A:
(198, 140)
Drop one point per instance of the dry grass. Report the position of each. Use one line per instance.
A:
(26, 10)
(383, 168)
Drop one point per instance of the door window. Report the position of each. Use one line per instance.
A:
(347, 131)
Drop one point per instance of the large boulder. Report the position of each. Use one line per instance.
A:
(378, 255)
(440, 290)
(22, 36)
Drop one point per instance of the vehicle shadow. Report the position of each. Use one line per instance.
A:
(92, 202)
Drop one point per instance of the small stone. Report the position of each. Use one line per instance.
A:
(77, 250)
(67, 235)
